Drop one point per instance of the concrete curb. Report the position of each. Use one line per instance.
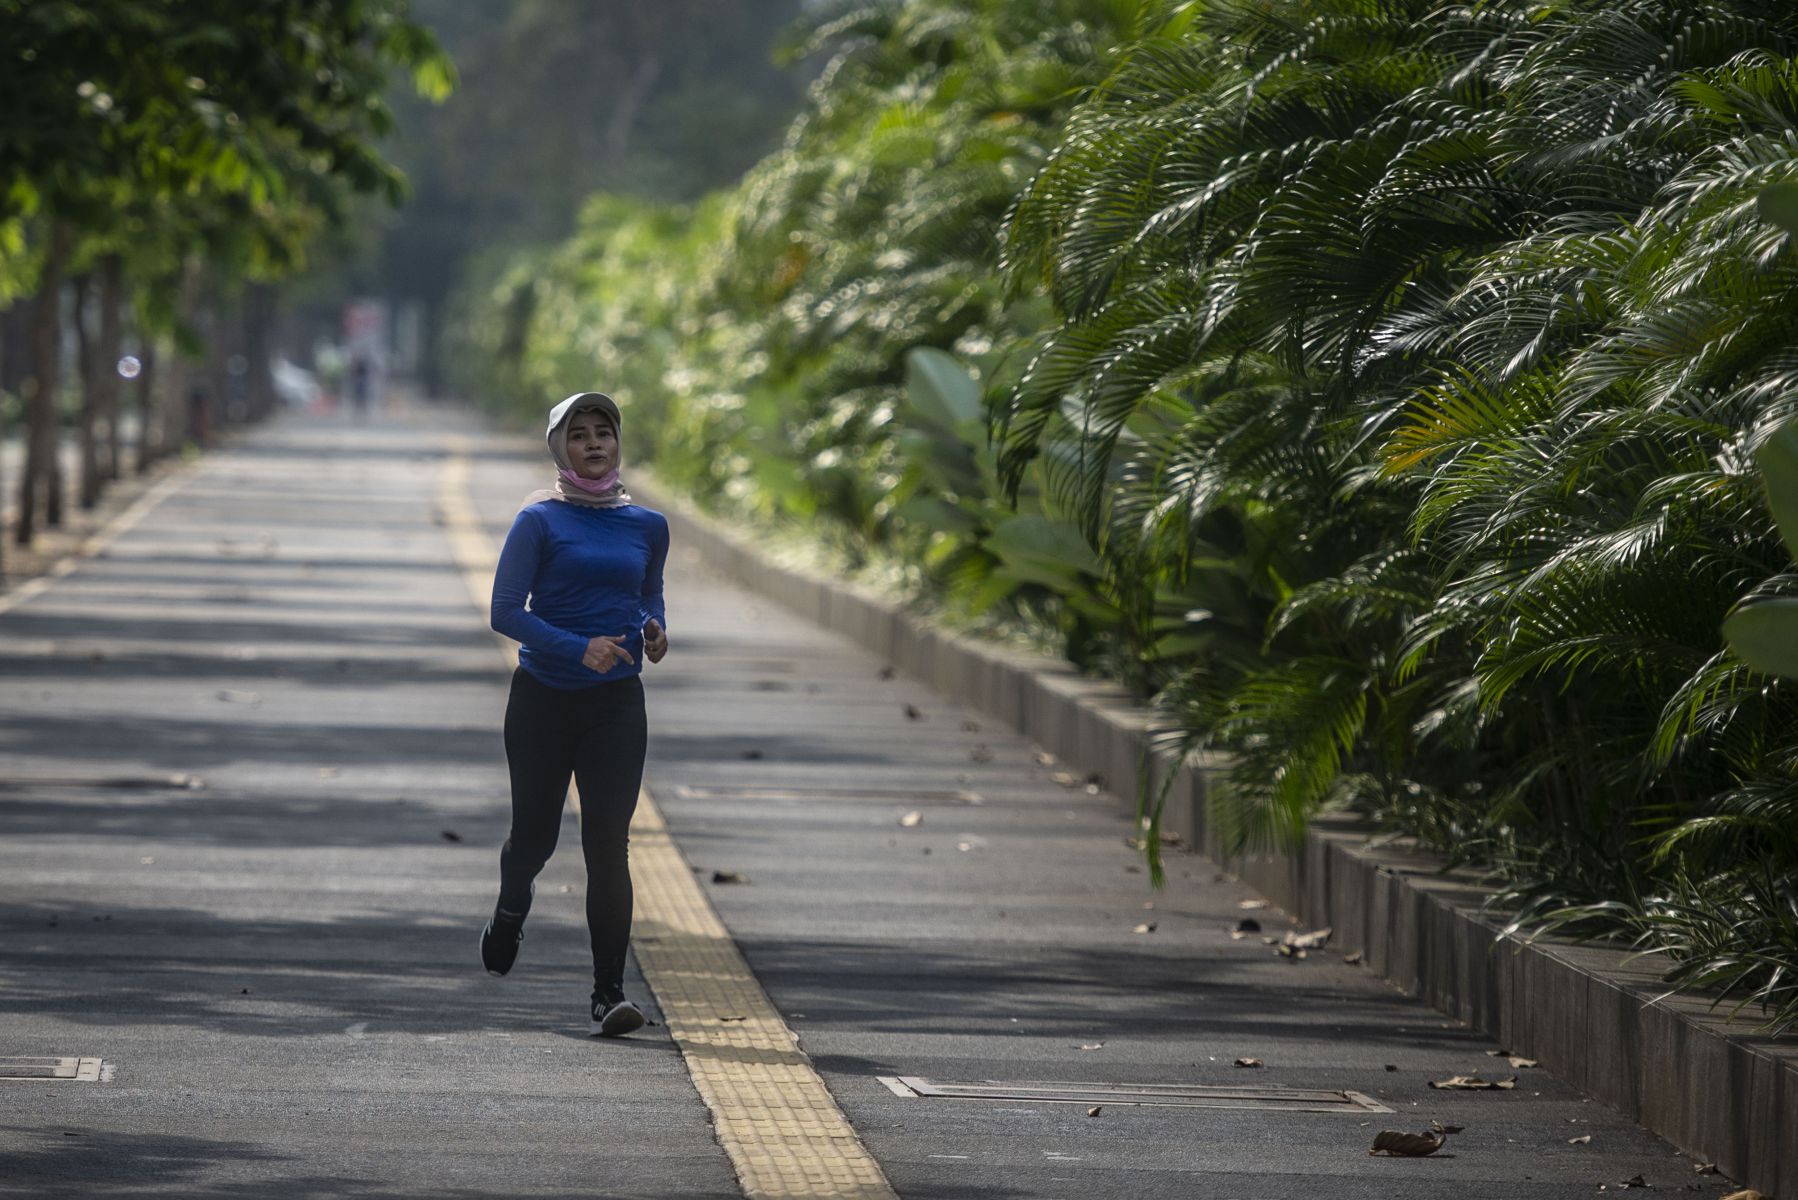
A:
(1587, 1013)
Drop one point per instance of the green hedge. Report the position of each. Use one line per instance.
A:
(1376, 383)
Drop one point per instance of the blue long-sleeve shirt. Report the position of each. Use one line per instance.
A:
(585, 572)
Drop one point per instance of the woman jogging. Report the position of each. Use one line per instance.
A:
(589, 564)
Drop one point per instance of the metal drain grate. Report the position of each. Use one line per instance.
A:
(1164, 1095)
(888, 795)
(42, 1070)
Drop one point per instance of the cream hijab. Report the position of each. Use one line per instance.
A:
(606, 492)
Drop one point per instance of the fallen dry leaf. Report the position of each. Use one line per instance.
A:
(1473, 1083)
(1248, 1062)
(1095, 1110)
(1307, 941)
(1747, 1194)
(1518, 1061)
(912, 819)
(1251, 905)
(728, 877)
(1584, 1139)
(1145, 927)
(1065, 779)
(1093, 1046)
(1407, 1145)
(1353, 960)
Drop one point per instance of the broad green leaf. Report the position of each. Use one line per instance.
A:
(1042, 543)
(1779, 204)
(1777, 458)
(941, 388)
(1765, 634)
(435, 78)
(1179, 645)
(1176, 26)
(935, 514)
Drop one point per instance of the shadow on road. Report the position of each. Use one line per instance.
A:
(189, 744)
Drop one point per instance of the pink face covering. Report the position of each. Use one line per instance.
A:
(593, 487)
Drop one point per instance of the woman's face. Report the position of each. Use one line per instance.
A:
(592, 444)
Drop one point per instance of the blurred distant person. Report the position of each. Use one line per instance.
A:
(361, 381)
(579, 585)
(199, 415)
(331, 370)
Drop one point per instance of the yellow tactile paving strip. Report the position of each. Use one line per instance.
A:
(771, 1112)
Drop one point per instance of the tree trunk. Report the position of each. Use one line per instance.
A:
(12, 350)
(186, 404)
(627, 104)
(87, 350)
(258, 329)
(15, 348)
(41, 469)
(149, 431)
(224, 329)
(111, 340)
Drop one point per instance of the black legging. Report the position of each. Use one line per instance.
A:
(599, 735)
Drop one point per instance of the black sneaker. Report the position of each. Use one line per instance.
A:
(614, 1016)
(499, 941)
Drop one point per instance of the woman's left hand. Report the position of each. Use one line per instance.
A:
(655, 641)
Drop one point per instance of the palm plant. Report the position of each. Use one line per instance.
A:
(873, 231)
(1475, 339)
(1378, 384)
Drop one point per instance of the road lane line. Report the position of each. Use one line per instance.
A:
(97, 541)
(783, 1131)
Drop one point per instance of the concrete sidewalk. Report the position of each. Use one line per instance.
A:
(279, 963)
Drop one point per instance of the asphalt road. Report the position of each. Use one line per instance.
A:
(280, 963)
(251, 790)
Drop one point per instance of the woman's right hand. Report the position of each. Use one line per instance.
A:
(603, 654)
